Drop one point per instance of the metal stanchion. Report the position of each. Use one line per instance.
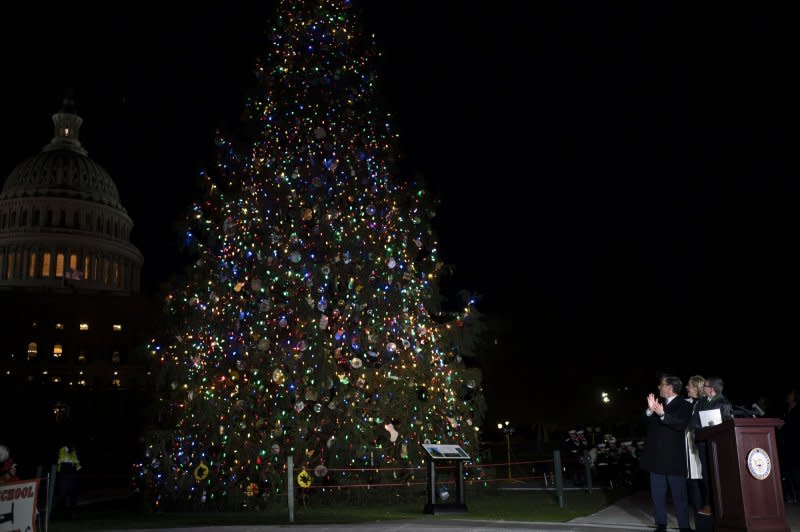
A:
(559, 477)
(290, 487)
(587, 463)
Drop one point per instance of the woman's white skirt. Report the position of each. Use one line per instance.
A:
(693, 467)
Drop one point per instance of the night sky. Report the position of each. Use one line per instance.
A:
(614, 181)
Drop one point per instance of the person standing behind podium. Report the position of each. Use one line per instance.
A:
(665, 453)
(712, 389)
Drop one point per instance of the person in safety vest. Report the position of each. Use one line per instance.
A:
(66, 479)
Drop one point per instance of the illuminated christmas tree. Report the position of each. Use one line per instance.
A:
(305, 326)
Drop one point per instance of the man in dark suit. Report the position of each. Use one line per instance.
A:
(665, 452)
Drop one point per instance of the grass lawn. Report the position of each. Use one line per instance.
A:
(482, 504)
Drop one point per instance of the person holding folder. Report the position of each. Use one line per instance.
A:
(710, 410)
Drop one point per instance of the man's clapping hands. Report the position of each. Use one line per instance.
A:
(654, 406)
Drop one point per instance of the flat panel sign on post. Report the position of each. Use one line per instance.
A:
(445, 452)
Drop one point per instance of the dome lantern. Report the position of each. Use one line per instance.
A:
(67, 126)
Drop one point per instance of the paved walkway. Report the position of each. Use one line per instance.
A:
(628, 514)
(635, 513)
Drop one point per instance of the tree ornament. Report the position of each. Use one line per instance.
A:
(393, 434)
(422, 393)
(201, 472)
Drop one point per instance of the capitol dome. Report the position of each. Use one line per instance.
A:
(61, 221)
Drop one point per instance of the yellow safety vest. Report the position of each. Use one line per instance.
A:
(65, 456)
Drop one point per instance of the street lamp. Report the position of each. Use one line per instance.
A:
(606, 399)
(508, 430)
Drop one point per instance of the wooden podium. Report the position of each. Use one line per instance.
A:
(745, 475)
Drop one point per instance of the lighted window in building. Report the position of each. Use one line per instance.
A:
(116, 273)
(61, 411)
(86, 262)
(46, 264)
(73, 262)
(117, 327)
(57, 351)
(82, 356)
(115, 357)
(33, 350)
(84, 326)
(60, 326)
(59, 265)
(116, 381)
(32, 265)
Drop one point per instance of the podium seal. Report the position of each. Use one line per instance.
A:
(758, 463)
